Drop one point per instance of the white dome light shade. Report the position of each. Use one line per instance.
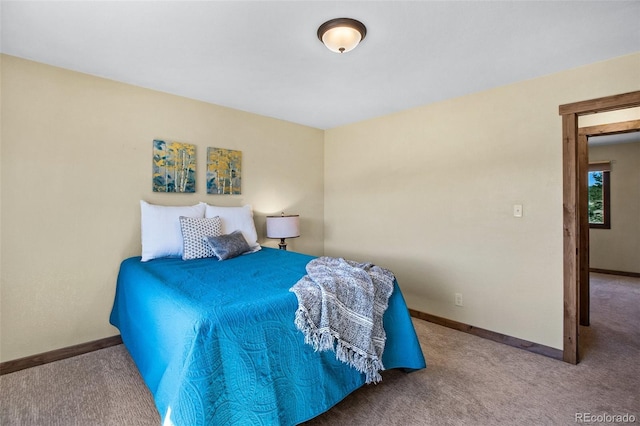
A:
(342, 34)
(341, 39)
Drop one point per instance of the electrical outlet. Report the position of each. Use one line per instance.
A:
(458, 299)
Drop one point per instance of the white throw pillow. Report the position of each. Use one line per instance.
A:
(194, 233)
(236, 218)
(160, 226)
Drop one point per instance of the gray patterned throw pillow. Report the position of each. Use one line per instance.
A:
(228, 245)
(194, 230)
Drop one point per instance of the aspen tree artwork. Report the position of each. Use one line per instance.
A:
(174, 167)
(224, 171)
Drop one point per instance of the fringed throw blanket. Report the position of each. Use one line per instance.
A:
(340, 307)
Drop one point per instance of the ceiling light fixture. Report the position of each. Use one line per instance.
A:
(341, 35)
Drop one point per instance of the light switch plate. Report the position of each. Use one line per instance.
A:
(517, 210)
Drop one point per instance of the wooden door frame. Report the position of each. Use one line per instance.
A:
(573, 251)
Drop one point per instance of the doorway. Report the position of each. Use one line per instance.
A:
(574, 240)
(584, 134)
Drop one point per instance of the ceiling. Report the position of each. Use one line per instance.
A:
(264, 56)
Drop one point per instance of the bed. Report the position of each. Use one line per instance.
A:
(216, 344)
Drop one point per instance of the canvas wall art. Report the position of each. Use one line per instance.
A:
(224, 171)
(174, 167)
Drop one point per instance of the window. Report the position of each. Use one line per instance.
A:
(599, 196)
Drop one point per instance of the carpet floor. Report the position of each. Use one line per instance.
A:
(468, 381)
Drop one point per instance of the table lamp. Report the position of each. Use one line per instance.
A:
(283, 226)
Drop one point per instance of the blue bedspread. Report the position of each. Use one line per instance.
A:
(216, 344)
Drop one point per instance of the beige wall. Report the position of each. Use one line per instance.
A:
(429, 193)
(618, 248)
(76, 160)
(607, 117)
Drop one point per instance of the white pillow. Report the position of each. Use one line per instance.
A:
(160, 226)
(236, 218)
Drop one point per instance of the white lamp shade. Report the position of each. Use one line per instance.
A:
(341, 39)
(283, 226)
